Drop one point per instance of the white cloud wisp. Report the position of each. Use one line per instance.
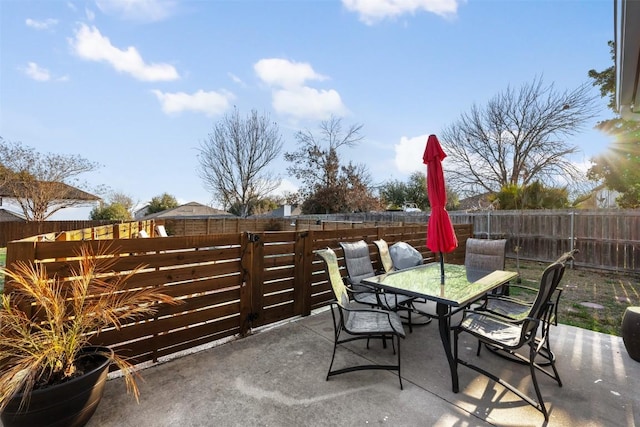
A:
(210, 103)
(138, 10)
(291, 96)
(373, 11)
(37, 73)
(41, 25)
(88, 43)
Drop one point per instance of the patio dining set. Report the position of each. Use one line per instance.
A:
(478, 298)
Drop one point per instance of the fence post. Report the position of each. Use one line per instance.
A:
(572, 233)
(250, 284)
(302, 274)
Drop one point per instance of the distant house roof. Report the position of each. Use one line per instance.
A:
(69, 192)
(190, 209)
(141, 212)
(6, 216)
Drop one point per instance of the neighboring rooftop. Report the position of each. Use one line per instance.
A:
(190, 209)
(7, 216)
(69, 192)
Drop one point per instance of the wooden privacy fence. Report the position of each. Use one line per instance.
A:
(110, 231)
(16, 230)
(228, 283)
(608, 239)
(195, 226)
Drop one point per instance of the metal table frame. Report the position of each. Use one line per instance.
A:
(461, 288)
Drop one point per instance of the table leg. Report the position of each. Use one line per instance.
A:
(445, 335)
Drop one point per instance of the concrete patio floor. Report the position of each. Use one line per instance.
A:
(276, 377)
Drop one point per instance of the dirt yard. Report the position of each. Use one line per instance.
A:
(590, 299)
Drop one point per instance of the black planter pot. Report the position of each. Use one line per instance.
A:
(68, 404)
(631, 332)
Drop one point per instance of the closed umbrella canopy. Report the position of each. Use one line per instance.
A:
(440, 235)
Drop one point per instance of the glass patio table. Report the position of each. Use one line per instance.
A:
(461, 287)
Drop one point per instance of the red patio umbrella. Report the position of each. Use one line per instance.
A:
(440, 235)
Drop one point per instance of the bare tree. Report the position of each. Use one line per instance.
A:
(234, 160)
(330, 186)
(316, 162)
(42, 184)
(517, 138)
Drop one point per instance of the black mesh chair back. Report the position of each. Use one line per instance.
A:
(483, 254)
(502, 335)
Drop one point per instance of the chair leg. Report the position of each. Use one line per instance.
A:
(399, 376)
(532, 368)
(333, 356)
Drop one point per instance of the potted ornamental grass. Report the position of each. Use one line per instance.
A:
(50, 373)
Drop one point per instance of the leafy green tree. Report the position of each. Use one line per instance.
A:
(619, 166)
(119, 207)
(329, 186)
(395, 193)
(532, 196)
(162, 203)
(258, 207)
(235, 157)
(113, 212)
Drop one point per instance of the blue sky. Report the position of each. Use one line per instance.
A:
(138, 85)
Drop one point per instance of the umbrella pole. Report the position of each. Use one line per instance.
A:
(441, 269)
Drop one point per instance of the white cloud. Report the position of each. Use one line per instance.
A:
(284, 73)
(209, 103)
(285, 187)
(91, 15)
(409, 153)
(37, 73)
(290, 94)
(89, 44)
(138, 10)
(306, 102)
(237, 79)
(41, 25)
(372, 11)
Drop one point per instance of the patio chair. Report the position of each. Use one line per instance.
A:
(358, 263)
(384, 256)
(359, 323)
(486, 255)
(161, 231)
(506, 336)
(403, 255)
(516, 307)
